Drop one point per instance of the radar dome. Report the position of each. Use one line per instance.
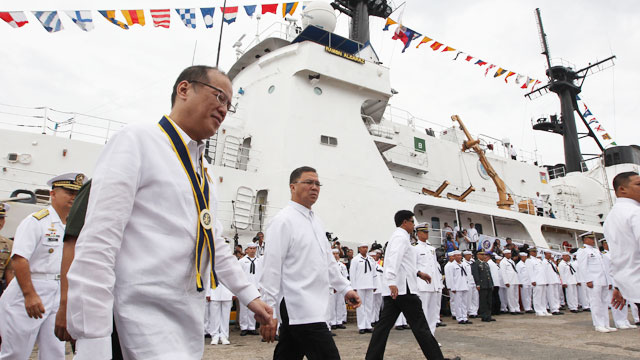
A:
(319, 14)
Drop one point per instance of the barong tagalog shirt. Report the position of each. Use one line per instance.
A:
(298, 265)
(135, 257)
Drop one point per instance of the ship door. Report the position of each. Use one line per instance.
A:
(243, 156)
(260, 210)
(478, 228)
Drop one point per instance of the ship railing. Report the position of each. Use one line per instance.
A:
(502, 149)
(278, 30)
(54, 122)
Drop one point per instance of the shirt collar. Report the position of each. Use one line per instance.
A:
(627, 200)
(302, 209)
(187, 139)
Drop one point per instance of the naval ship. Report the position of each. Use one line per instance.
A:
(308, 96)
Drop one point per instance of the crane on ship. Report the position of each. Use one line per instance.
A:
(505, 200)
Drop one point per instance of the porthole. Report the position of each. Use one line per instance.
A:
(272, 88)
(317, 90)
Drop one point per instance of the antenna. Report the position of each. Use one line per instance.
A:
(543, 38)
(237, 46)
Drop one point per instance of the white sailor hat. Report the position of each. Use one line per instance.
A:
(71, 181)
(467, 252)
(498, 257)
(3, 209)
(455, 252)
(378, 251)
(506, 251)
(423, 226)
(565, 253)
(523, 254)
(335, 251)
(363, 244)
(251, 245)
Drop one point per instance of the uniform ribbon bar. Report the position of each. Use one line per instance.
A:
(201, 196)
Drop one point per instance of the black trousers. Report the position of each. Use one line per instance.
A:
(311, 340)
(495, 304)
(485, 300)
(473, 246)
(411, 306)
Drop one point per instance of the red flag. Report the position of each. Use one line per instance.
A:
(436, 45)
(489, 68)
(468, 58)
(271, 8)
(448, 48)
(535, 83)
(508, 74)
(424, 41)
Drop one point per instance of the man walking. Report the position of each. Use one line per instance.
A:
(141, 255)
(299, 269)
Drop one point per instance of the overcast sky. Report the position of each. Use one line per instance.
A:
(126, 75)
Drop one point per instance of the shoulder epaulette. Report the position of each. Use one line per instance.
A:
(41, 214)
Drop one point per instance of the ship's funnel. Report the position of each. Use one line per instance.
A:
(319, 14)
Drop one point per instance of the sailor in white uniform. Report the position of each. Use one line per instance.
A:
(252, 266)
(538, 282)
(428, 264)
(552, 276)
(511, 282)
(377, 292)
(457, 281)
(502, 291)
(29, 305)
(472, 295)
(495, 276)
(526, 290)
(583, 299)
(363, 274)
(452, 295)
(569, 281)
(596, 278)
(219, 303)
(337, 305)
(620, 316)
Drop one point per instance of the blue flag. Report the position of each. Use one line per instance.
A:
(207, 15)
(250, 9)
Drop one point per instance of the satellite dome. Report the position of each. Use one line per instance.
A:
(319, 14)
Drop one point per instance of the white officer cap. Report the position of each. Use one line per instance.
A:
(372, 253)
(363, 244)
(523, 254)
(498, 257)
(506, 251)
(335, 251)
(252, 245)
(467, 252)
(71, 181)
(4, 207)
(456, 252)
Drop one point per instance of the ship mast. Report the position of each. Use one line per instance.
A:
(505, 201)
(359, 12)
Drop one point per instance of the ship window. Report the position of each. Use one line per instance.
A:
(317, 90)
(272, 88)
(328, 140)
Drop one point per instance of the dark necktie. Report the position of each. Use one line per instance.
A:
(252, 268)
(573, 271)
(367, 265)
(513, 266)
(553, 267)
(463, 271)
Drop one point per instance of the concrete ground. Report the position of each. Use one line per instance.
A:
(569, 336)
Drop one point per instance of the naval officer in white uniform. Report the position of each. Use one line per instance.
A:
(569, 282)
(526, 290)
(511, 282)
(29, 305)
(427, 262)
(538, 282)
(151, 234)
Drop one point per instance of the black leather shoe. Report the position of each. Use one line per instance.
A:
(368, 331)
(253, 332)
(399, 328)
(574, 311)
(486, 320)
(333, 334)
(361, 331)
(492, 319)
(243, 333)
(557, 313)
(441, 324)
(587, 310)
(341, 326)
(530, 312)
(406, 327)
(455, 358)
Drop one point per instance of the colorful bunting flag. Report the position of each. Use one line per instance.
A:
(111, 16)
(499, 72)
(481, 63)
(606, 136)
(161, 17)
(82, 18)
(468, 58)
(289, 8)
(424, 41)
(587, 113)
(14, 18)
(207, 16)
(511, 73)
(188, 17)
(49, 20)
(134, 17)
(405, 35)
(250, 9)
(534, 84)
(389, 23)
(526, 84)
(230, 13)
(489, 68)
(448, 48)
(436, 45)
(270, 8)
(519, 78)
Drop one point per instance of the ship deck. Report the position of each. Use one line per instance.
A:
(570, 336)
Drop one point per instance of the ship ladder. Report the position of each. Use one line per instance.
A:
(243, 207)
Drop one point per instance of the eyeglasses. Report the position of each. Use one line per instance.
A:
(222, 97)
(309, 182)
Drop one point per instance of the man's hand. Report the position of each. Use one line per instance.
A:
(453, 291)
(34, 306)
(590, 284)
(60, 329)
(263, 312)
(579, 284)
(533, 283)
(617, 301)
(353, 298)
(268, 331)
(507, 285)
(565, 286)
(425, 277)
(478, 287)
(208, 298)
(394, 291)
